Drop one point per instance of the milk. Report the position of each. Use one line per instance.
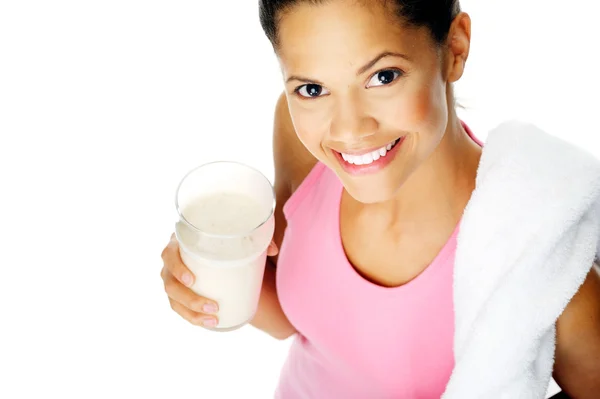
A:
(223, 239)
(224, 213)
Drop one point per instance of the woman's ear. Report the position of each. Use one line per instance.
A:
(458, 46)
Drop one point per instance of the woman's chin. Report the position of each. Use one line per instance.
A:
(367, 194)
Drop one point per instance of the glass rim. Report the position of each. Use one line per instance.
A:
(215, 235)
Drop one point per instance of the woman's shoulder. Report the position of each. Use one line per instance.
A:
(293, 162)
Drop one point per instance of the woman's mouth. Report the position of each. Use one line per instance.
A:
(363, 162)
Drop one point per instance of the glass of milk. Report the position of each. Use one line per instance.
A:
(225, 226)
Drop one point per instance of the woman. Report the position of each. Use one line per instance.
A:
(373, 172)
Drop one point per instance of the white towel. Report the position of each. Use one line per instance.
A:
(528, 238)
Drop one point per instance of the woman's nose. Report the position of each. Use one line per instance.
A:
(350, 122)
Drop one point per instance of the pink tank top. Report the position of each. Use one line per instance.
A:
(356, 339)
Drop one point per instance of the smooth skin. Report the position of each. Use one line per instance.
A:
(356, 78)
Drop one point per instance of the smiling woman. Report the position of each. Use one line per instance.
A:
(373, 172)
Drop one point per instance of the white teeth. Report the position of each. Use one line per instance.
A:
(368, 158)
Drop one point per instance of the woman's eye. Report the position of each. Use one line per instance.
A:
(311, 91)
(384, 77)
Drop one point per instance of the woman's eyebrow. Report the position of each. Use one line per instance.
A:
(382, 55)
(303, 80)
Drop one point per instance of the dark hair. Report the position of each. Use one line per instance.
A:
(436, 15)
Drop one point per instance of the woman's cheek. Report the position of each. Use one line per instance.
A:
(312, 142)
(311, 130)
(427, 113)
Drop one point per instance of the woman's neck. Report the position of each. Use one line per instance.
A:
(438, 191)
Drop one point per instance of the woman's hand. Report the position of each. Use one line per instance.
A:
(177, 280)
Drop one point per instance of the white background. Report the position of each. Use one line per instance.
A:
(104, 105)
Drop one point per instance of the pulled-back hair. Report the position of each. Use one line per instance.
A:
(436, 15)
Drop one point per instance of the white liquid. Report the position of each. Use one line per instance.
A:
(228, 270)
(225, 213)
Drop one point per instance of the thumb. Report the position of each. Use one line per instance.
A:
(272, 250)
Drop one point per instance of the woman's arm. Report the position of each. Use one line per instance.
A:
(269, 316)
(577, 358)
(292, 164)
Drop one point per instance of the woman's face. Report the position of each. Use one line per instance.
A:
(367, 96)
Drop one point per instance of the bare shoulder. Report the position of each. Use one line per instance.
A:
(577, 358)
(292, 160)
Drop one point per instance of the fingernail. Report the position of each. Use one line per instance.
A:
(209, 323)
(210, 308)
(186, 279)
